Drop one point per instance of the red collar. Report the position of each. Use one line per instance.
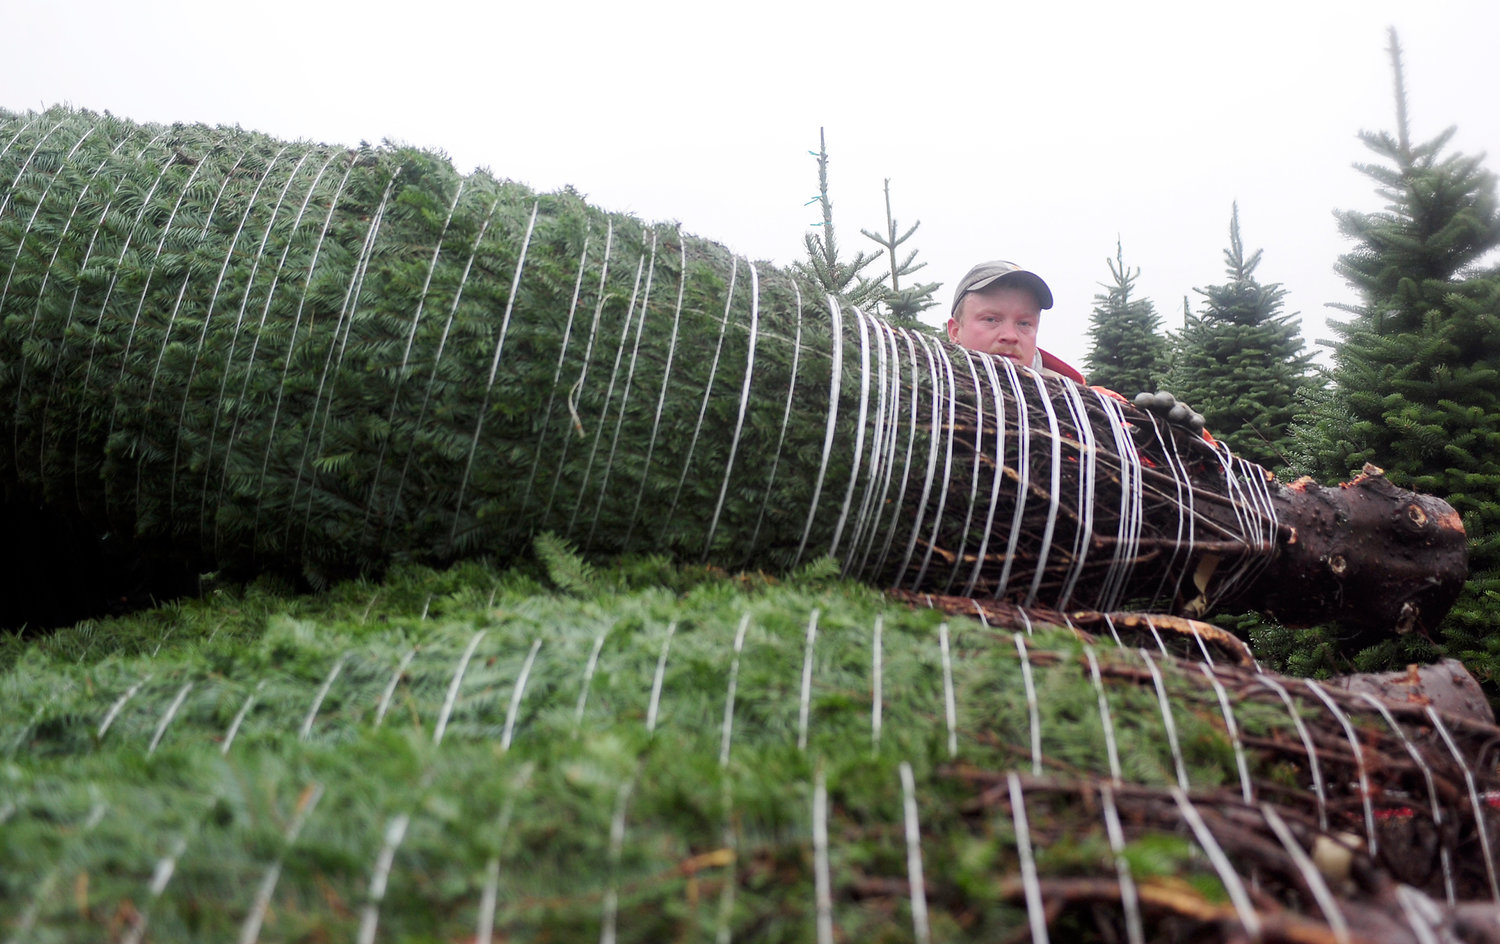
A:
(1054, 363)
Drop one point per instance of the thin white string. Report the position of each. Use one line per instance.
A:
(453, 687)
(1032, 708)
(805, 702)
(239, 718)
(834, 382)
(609, 393)
(250, 930)
(52, 266)
(1036, 914)
(661, 396)
(1053, 492)
(950, 705)
(130, 234)
(395, 832)
(484, 932)
(656, 680)
(1128, 532)
(822, 880)
(859, 436)
(317, 702)
(897, 506)
(1307, 745)
(949, 394)
(734, 678)
(588, 679)
(489, 386)
(583, 367)
(879, 450)
(786, 416)
(516, 694)
(933, 435)
(256, 258)
(331, 363)
(1186, 516)
(562, 356)
(270, 294)
(708, 387)
(1023, 473)
(877, 681)
(629, 382)
(166, 866)
(1106, 720)
(1129, 897)
(1432, 797)
(1359, 758)
(1310, 874)
(117, 707)
(920, 929)
(976, 471)
(437, 357)
(1088, 472)
(881, 442)
(616, 850)
(291, 347)
(167, 716)
(1168, 722)
(1474, 802)
(997, 477)
(1234, 732)
(739, 423)
(390, 688)
(1235, 888)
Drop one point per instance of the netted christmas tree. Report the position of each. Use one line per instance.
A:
(1241, 360)
(1416, 373)
(1127, 352)
(642, 753)
(256, 355)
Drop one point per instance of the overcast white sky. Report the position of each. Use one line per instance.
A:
(1037, 132)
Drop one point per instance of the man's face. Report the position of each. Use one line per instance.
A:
(999, 320)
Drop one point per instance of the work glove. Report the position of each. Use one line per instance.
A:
(1169, 408)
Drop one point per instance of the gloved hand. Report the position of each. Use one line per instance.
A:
(1171, 409)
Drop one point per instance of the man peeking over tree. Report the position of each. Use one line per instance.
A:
(997, 309)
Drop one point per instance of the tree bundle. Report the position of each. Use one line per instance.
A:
(252, 354)
(662, 754)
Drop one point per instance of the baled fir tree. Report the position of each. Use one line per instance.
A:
(1416, 375)
(1241, 361)
(1127, 353)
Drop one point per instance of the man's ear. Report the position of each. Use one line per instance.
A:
(953, 330)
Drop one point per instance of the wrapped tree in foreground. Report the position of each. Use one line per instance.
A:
(662, 754)
(252, 354)
(265, 356)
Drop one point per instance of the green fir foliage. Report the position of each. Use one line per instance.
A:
(441, 753)
(826, 266)
(1127, 352)
(903, 305)
(1241, 361)
(1416, 376)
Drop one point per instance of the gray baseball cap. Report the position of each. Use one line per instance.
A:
(990, 273)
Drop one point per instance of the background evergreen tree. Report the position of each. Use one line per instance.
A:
(825, 265)
(1127, 352)
(903, 305)
(1241, 361)
(1416, 377)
